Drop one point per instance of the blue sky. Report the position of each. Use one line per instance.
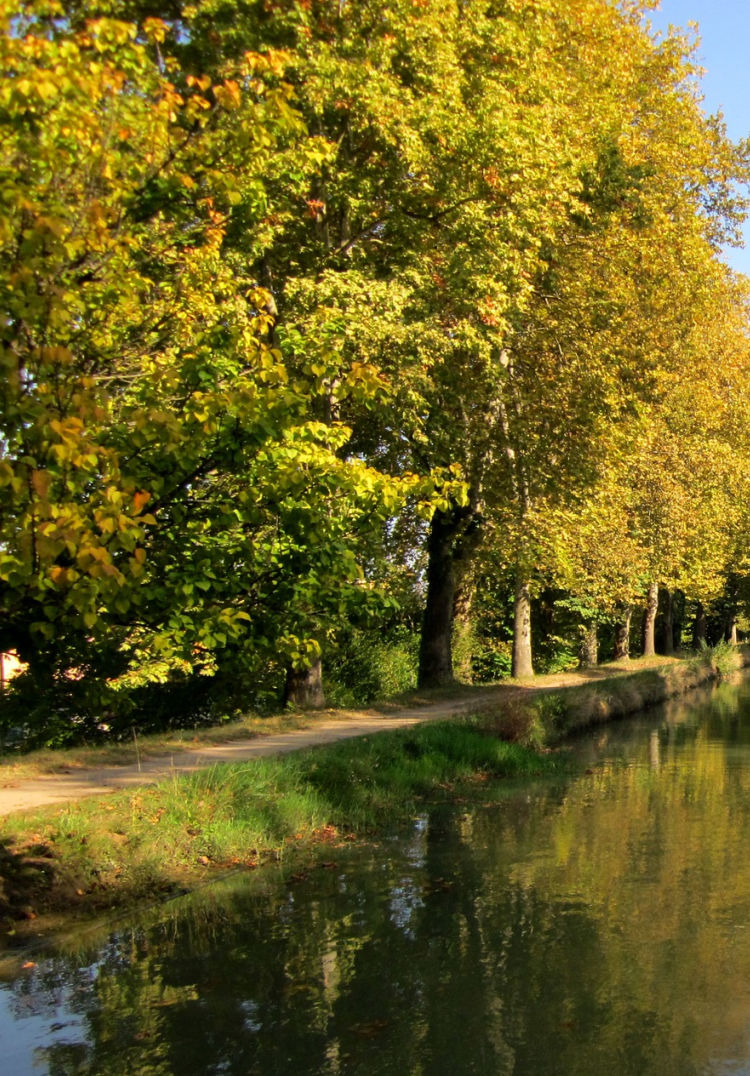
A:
(724, 52)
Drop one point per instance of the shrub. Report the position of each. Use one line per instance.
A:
(368, 667)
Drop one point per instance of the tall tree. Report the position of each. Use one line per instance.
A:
(613, 315)
(167, 484)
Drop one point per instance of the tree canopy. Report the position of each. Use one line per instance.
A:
(325, 321)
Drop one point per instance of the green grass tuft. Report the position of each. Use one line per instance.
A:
(724, 658)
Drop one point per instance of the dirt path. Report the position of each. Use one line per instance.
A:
(64, 787)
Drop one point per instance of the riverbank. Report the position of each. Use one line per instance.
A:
(136, 845)
(548, 719)
(150, 841)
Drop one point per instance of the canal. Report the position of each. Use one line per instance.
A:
(594, 923)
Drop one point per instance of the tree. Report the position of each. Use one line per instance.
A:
(167, 486)
(613, 319)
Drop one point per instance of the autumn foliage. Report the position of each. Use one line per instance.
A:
(330, 322)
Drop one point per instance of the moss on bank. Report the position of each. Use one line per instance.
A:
(101, 852)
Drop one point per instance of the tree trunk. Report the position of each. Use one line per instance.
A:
(649, 620)
(622, 635)
(304, 688)
(452, 538)
(699, 627)
(521, 663)
(463, 630)
(588, 654)
(667, 622)
(435, 653)
(732, 631)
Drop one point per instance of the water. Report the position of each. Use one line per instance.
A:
(596, 924)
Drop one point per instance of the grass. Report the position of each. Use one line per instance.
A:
(724, 658)
(130, 846)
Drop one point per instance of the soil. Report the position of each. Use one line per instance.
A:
(328, 726)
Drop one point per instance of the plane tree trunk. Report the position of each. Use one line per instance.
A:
(649, 620)
(304, 687)
(463, 628)
(666, 606)
(699, 627)
(522, 664)
(451, 540)
(588, 654)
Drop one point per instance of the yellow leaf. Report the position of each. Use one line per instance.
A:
(41, 480)
(228, 95)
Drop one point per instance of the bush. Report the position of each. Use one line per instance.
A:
(367, 667)
(491, 661)
(723, 657)
(62, 708)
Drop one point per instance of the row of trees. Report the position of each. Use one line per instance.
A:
(322, 319)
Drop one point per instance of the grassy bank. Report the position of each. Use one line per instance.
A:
(129, 846)
(101, 852)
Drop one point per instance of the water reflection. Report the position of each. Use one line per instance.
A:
(596, 924)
